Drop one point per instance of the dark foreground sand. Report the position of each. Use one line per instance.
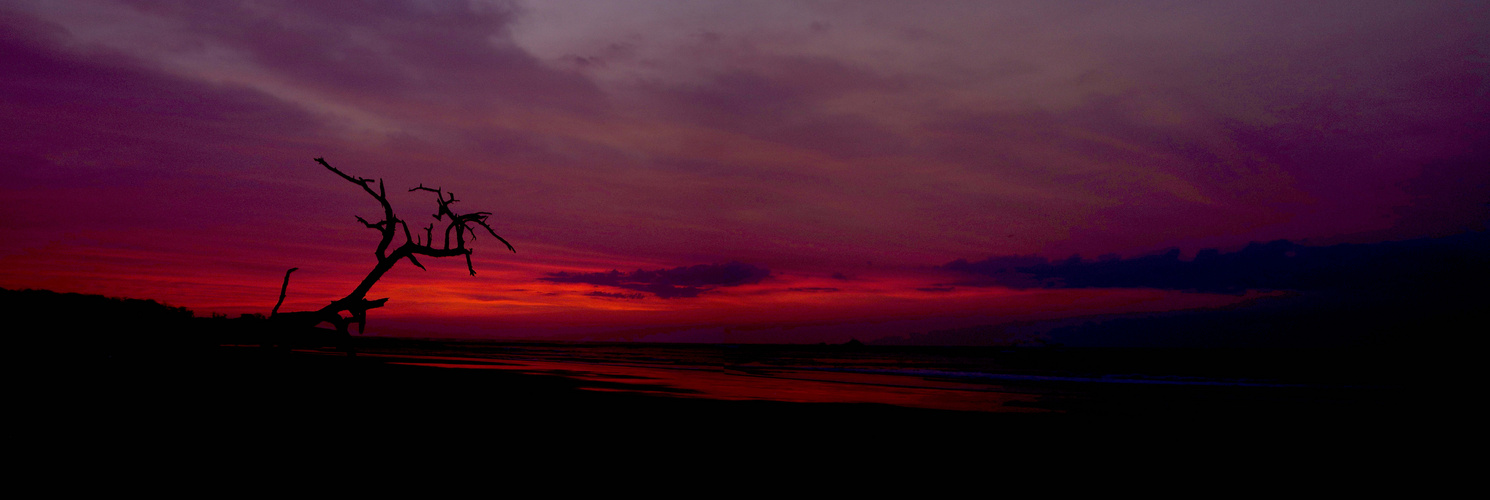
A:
(233, 389)
(244, 415)
(250, 386)
(163, 409)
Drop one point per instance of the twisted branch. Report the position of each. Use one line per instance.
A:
(356, 303)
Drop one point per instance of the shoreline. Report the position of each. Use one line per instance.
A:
(219, 401)
(334, 383)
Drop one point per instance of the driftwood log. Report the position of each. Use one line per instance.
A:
(459, 229)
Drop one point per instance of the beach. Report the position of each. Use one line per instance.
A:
(402, 379)
(402, 401)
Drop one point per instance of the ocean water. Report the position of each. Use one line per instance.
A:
(1031, 380)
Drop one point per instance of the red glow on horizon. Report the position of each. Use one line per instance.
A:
(166, 153)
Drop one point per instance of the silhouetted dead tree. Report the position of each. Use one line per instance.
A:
(355, 304)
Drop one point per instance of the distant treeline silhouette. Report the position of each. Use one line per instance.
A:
(95, 325)
(64, 309)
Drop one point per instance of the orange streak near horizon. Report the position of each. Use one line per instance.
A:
(508, 293)
(781, 385)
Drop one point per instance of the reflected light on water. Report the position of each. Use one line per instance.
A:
(796, 386)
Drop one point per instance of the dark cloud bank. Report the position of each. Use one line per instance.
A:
(678, 282)
(1412, 295)
(1278, 265)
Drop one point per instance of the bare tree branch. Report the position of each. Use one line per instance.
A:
(356, 303)
(282, 289)
(493, 232)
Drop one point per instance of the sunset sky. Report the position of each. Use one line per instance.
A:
(751, 171)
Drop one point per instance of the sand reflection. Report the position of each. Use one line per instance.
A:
(800, 386)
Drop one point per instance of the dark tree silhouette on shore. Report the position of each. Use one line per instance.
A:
(463, 226)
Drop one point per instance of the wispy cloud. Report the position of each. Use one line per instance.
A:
(678, 282)
(874, 138)
(617, 295)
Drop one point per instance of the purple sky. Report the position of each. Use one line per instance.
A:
(845, 149)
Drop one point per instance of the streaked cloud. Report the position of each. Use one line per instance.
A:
(876, 140)
(678, 282)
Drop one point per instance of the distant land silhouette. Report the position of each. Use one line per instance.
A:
(95, 326)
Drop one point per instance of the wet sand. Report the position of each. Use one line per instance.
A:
(304, 406)
(253, 385)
